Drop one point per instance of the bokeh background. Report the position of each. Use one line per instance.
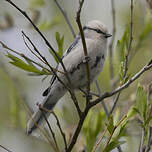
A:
(18, 88)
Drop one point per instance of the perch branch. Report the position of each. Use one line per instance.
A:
(84, 48)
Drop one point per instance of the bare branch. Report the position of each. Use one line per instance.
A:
(84, 48)
(112, 40)
(35, 27)
(149, 140)
(43, 59)
(141, 147)
(131, 39)
(5, 148)
(61, 131)
(53, 134)
(105, 95)
(66, 17)
(115, 102)
(100, 94)
(58, 123)
(124, 86)
(127, 55)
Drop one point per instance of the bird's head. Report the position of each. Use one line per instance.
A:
(96, 28)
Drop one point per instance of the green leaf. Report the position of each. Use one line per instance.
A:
(110, 125)
(98, 123)
(146, 31)
(112, 145)
(122, 45)
(132, 112)
(92, 126)
(60, 43)
(22, 65)
(141, 101)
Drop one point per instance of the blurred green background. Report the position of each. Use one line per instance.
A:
(18, 89)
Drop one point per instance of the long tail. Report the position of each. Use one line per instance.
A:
(56, 92)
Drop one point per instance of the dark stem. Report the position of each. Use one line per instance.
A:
(111, 68)
(66, 18)
(84, 48)
(5, 148)
(78, 129)
(127, 56)
(61, 131)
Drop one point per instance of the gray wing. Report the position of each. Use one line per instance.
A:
(73, 45)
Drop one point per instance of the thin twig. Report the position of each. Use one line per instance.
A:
(84, 48)
(5, 148)
(74, 35)
(53, 50)
(149, 139)
(66, 18)
(61, 131)
(100, 94)
(58, 123)
(130, 41)
(111, 68)
(115, 127)
(25, 57)
(99, 141)
(115, 102)
(42, 57)
(105, 95)
(53, 134)
(141, 147)
(124, 86)
(35, 27)
(23, 35)
(127, 55)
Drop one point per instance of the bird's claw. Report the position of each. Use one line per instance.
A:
(86, 59)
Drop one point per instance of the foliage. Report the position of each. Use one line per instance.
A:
(60, 43)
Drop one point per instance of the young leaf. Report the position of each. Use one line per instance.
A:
(22, 65)
(122, 45)
(147, 30)
(112, 145)
(141, 101)
(60, 43)
(110, 125)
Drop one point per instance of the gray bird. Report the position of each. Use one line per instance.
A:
(96, 35)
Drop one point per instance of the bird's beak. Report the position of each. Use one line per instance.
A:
(108, 35)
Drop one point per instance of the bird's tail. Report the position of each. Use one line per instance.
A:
(37, 119)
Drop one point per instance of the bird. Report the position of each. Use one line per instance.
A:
(96, 34)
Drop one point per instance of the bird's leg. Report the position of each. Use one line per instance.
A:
(86, 59)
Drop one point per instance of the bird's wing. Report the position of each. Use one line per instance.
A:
(72, 46)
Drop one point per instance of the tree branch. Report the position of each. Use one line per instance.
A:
(102, 102)
(84, 48)
(127, 55)
(66, 18)
(5, 148)
(112, 40)
(105, 95)
(124, 86)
